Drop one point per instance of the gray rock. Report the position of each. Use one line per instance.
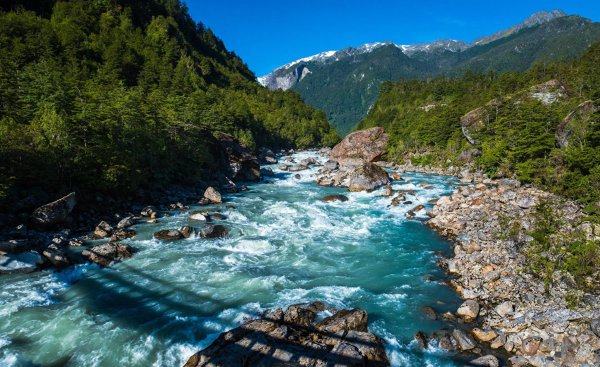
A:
(122, 234)
(126, 222)
(367, 177)
(345, 320)
(463, 340)
(107, 253)
(57, 257)
(487, 361)
(213, 195)
(55, 212)
(469, 310)
(504, 308)
(168, 235)
(334, 198)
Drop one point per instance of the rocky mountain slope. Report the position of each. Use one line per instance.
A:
(345, 83)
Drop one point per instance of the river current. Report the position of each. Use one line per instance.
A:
(285, 246)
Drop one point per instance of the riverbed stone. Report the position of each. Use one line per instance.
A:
(55, 212)
(105, 254)
(484, 335)
(168, 235)
(341, 198)
(469, 310)
(213, 231)
(485, 361)
(463, 340)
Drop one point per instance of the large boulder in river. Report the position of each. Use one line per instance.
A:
(238, 162)
(361, 146)
(55, 212)
(367, 177)
(291, 339)
(107, 253)
(213, 195)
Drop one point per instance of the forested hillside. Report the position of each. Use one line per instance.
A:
(114, 95)
(541, 126)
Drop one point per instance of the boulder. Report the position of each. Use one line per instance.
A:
(344, 321)
(198, 217)
(360, 147)
(530, 345)
(421, 339)
(291, 341)
(469, 310)
(56, 257)
(484, 335)
(103, 230)
(297, 168)
(25, 262)
(186, 231)
(122, 234)
(504, 308)
(148, 212)
(485, 361)
(429, 312)
(334, 198)
(213, 195)
(331, 165)
(55, 212)
(239, 162)
(126, 222)
(367, 177)
(213, 231)
(463, 340)
(168, 235)
(107, 253)
(217, 216)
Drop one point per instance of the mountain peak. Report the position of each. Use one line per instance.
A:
(534, 19)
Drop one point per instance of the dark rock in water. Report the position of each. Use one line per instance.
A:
(122, 234)
(57, 257)
(297, 176)
(148, 211)
(103, 230)
(421, 338)
(204, 201)
(168, 235)
(241, 164)
(126, 222)
(25, 262)
(308, 161)
(267, 172)
(361, 146)
(213, 195)
(388, 191)
(217, 216)
(54, 213)
(418, 208)
(107, 253)
(334, 198)
(213, 231)
(290, 339)
(429, 312)
(367, 177)
(186, 231)
(284, 167)
(266, 155)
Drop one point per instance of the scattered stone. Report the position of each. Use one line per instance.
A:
(148, 211)
(504, 308)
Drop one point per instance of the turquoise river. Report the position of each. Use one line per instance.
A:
(285, 246)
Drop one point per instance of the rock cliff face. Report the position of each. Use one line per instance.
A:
(292, 338)
(490, 223)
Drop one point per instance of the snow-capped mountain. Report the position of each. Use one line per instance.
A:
(288, 75)
(345, 83)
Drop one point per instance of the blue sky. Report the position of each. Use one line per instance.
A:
(270, 33)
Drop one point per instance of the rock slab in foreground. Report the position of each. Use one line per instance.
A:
(291, 338)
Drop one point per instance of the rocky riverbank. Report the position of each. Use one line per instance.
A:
(514, 310)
